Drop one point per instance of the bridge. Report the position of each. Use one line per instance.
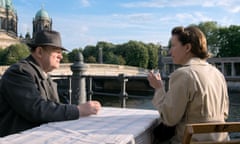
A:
(106, 76)
(229, 66)
(96, 69)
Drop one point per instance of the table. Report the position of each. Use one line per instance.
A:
(110, 126)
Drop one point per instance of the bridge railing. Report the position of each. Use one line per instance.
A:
(120, 86)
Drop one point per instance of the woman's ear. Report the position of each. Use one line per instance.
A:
(188, 47)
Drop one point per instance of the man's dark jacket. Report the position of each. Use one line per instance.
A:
(29, 98)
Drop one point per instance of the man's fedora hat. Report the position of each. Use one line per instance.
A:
(47, 38)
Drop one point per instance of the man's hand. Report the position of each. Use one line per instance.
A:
(89, 108)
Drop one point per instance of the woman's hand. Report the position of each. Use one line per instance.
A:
(155, 80)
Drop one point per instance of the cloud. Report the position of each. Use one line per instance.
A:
(231, 6)
(195, 17)
(116, 28)
(85, 3)
(146, 20)
(162, 3)
(144, 4)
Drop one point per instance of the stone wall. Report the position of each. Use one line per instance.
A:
(95, 69)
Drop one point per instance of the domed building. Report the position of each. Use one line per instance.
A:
(8, 24)
(42, 21)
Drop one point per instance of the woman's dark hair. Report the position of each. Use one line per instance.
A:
(195, 37)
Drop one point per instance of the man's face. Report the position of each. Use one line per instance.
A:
(51, 58)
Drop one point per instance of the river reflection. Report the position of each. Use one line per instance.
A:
(234, 113)
(145, 103)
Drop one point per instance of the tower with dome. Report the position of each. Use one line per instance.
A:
(42, 21)
(9, 23)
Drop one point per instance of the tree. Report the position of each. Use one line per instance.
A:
(111, 58)
(65, 58)
(105, 50)
(14, 53)
(72, 55)
(90, 51)
(153, 56)
(210, 29)
(229, 41)
(121, 60)
(90, 59)
(136, 54)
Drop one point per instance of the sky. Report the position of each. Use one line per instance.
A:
(86, 22)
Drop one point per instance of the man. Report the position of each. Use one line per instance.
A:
(28, 96)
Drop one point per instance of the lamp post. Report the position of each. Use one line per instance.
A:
(78, 83)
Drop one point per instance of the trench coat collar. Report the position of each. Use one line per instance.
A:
(196, 61)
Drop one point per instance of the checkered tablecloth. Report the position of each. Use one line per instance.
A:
(110, 126)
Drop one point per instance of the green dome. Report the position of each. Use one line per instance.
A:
(7, 4)
(41, 14)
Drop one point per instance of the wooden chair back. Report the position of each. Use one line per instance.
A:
(210, 128)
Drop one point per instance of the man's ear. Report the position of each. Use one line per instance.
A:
(39, 52)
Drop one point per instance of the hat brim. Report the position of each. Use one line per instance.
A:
(46, 44)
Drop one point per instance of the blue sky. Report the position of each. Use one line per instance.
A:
(85, 22)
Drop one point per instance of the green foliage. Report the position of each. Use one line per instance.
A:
(90, 51)
(14, 53)
(153, 56)
(136, 54)
(222, 41)
(132, 53)
(65, 58)
(72, 55)
(229, 40)
(210, 28)
(107, 52)
(121, 60)
(110, 58)
(91, 59)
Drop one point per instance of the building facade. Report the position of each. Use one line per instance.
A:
(9, 23)
(41, 22)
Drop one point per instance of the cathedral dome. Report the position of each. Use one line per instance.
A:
(42, 14)
(6, 4)
(42, 21)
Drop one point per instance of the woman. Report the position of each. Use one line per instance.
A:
(197, 90)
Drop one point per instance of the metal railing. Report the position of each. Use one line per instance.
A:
(121, 79)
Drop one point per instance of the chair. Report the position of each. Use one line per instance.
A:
(191, 129)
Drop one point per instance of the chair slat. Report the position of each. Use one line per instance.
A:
(211, 128)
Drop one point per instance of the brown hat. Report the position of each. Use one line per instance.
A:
(47, 38)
